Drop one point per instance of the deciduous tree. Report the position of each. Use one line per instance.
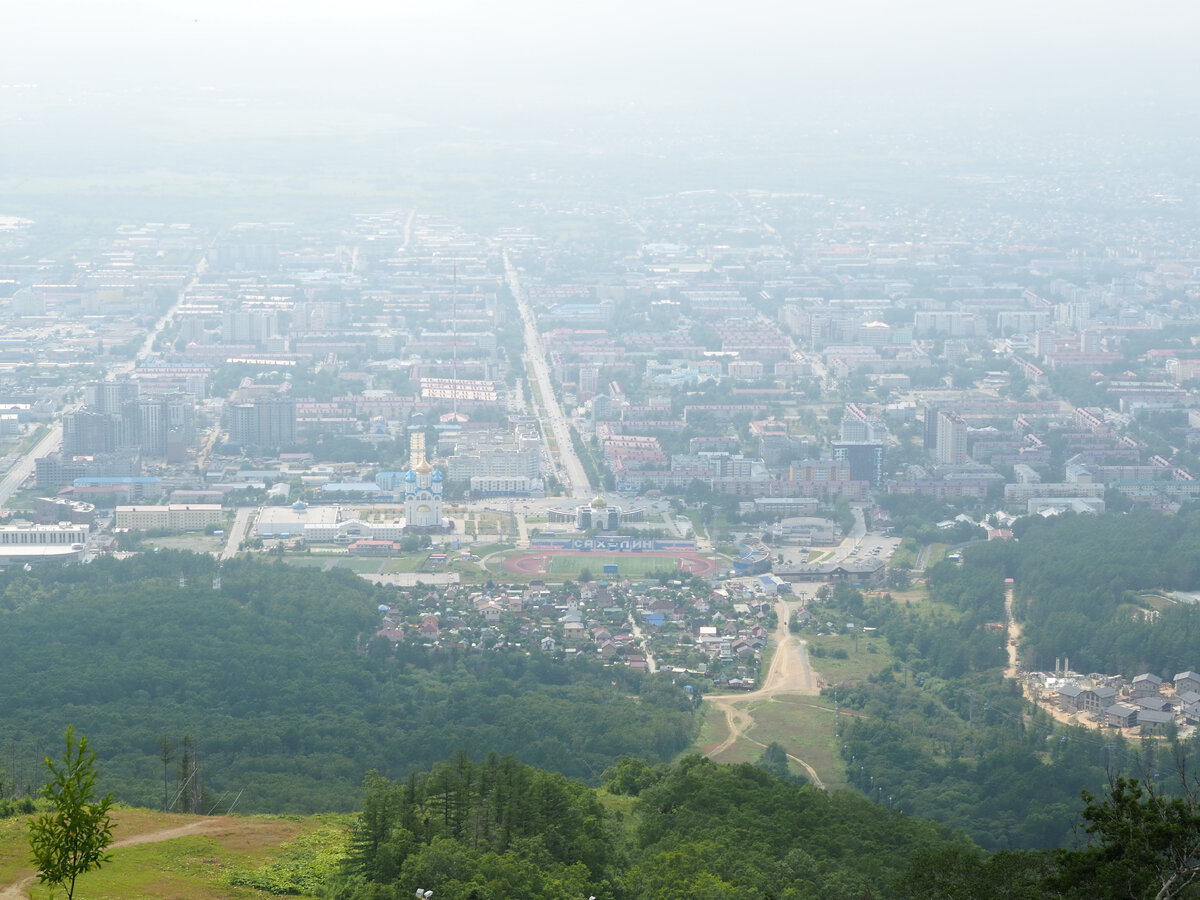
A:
(72, 838)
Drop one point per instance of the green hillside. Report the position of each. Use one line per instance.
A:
(271, 681)
(496, 829)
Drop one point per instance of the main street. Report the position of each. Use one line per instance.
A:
(23, 467)
(126, 367)
(553, 420)
(237, 533)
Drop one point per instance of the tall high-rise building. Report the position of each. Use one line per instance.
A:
(109, 396)
(931, 427)
(245, 326)
(181, 425)
(119, 417)
(277, 421)
(589, 377)
(152, 426)
(855, 426)
(86, 433)
(266, 423)
(951, 438)
(240, 420)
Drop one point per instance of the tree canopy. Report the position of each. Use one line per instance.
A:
(270, 678)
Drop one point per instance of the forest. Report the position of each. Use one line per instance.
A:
(1077, 584)
(942, 736)
(269, 681)
(693, 829)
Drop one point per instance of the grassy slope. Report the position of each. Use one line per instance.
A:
(804, 726)
(191, 867)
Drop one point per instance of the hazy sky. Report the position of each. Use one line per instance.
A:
(101, 86)
(610, 51)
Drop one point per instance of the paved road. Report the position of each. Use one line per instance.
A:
(23, 467)
(237, 532)
(408, 223)
(124, 368)
(553, 421)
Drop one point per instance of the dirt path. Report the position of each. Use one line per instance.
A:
(1014, 634)
(790, 673)
(20, 889)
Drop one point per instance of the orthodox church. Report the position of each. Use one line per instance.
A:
(422, 493)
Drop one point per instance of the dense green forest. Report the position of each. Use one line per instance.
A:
(979, 760)
(1077, 580)
(941, 735)
(268, 680)
(696, 830)
(498, 829)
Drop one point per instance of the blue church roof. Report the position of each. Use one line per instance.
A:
(411, 476)
(437, 475)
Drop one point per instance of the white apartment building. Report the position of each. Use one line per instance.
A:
(172, 517)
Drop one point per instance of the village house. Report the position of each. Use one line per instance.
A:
(1155, 702)
(1145, 684)
(1069, 698)
(1095, 700)
(430, 630)
(1119, 715)
(1188, 681)
(1154, 720)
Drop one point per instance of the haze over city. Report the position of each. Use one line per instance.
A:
(222, 86)
(629, 451)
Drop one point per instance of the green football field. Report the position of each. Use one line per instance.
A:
(627, 563)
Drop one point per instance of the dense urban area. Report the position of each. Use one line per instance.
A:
(625, 513)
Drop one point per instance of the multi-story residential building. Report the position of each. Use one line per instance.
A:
(264, 423)
(171, 517)
(951, 438)
(496, 455)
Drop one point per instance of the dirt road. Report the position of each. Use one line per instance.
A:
(1014, 634)
(790, 673)
(217, 825)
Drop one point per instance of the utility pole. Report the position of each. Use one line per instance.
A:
(971, 695)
